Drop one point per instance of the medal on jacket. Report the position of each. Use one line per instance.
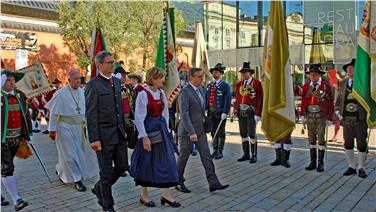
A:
(249, 90)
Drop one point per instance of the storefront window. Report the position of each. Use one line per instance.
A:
(248, 24)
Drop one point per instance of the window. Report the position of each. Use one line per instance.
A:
(216, 31)
(228, 44)
(213, 24)
(228, 32)
(248, 23)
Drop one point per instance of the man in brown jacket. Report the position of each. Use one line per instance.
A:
(353, 117)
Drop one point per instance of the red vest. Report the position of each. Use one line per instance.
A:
(14, 113)
(255, 99)
(154, 107)
(326, 104)
(212, 95)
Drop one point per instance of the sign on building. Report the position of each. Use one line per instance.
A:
(18, 40)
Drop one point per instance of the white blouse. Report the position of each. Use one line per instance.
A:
(141, 109)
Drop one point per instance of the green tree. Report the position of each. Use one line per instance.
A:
(129, 27)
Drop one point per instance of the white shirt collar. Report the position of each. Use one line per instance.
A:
(248, 80)
(104, 76)
(194, 87)
(10, 92)
(217, 81)
(135, 86)
(350, 82)
(318, 82)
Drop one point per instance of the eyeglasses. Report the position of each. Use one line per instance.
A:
(109, 62)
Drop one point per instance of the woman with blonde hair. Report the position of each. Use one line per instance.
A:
(153, 161)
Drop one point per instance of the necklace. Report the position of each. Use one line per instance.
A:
(77, 102)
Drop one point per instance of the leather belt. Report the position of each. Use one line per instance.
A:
(314, 108)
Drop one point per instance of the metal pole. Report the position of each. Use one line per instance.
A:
(41, 162)
(216, 132)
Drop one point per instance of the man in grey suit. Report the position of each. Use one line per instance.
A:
(106, 128)
(192, 129)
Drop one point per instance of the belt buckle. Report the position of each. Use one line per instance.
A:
(351, 107)
(244, 107)
(313, 108)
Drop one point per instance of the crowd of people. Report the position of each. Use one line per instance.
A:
(95, 124)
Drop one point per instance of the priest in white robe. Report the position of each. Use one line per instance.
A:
(76, 160)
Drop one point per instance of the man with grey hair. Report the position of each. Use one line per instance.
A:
(67, 126)
(106, 128)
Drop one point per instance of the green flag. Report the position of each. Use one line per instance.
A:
(166, 56)
(278, 112)
(364, 87)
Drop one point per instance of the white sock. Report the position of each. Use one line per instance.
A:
(277, 145)
(9, 183)
(33, 125)
(362, 160)
(38, 125)
(350, 157)
(287, 147)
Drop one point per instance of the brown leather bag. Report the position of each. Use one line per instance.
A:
(24, 150)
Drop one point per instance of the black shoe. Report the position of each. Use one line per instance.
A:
(110, 209)
(214, 153)
(3, 201)
(244, 158)
(276, 163)
(311, 166)
(286, 164)
(362, 173)
(181, 187)
(194, 152)
(36, 131)
(173, 204)
(150, 204)
(219, 155)
(124, 174)
(253, 159)
(20, 204)
(97, 194)
(79, 186)
(46, 132)
(219, 187)
(349, 171)
(320, 166)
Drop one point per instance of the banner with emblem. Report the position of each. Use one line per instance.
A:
(35, 81)
(278, 112)
(364, 87)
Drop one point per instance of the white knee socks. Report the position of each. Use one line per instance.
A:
(9, 183)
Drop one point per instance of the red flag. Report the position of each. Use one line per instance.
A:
(99, 45)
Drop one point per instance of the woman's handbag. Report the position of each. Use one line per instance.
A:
(24, 150)
(155, 137)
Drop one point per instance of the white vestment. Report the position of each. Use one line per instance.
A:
(76, 159)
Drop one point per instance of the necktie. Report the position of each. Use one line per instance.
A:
(200, 96)
(350, 82)
(245, 83)
(314, 86)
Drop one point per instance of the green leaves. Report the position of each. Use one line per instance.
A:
(128, 27)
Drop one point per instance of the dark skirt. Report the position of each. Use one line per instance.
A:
(156, 168)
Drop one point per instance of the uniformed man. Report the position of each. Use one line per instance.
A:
(353, 117)
(248, 107)
(218, 103)
(318, 110)
(136, 81)
(15, 122)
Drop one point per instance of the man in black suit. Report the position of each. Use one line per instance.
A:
(192, 130)
(106, 128)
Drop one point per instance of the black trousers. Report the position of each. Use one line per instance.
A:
(8, 151)
(247, 124)
(216, 119)
(116, 154)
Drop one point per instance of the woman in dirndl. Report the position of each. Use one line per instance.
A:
(153, 162)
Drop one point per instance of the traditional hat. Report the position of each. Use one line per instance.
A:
(246, 68)
(17, 75)
(121, 70)
(56, 81)
(315, 68)
(219, 67)
(135, 76)
(352, 63)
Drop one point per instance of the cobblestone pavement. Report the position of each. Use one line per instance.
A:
(253, 187)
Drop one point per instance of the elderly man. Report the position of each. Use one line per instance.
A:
(76, 160)
(15, 126)
(107, 134)
(353, 117)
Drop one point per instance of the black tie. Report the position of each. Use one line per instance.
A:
(314, 86)
(245, 83)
